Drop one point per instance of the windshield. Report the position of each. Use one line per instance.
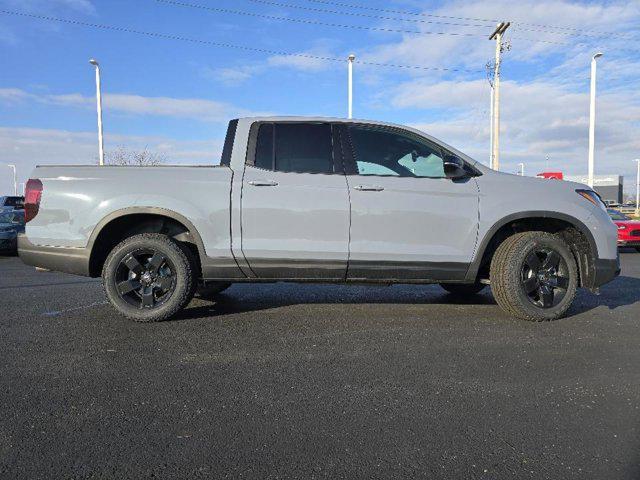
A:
(12, 217)
(616, 215)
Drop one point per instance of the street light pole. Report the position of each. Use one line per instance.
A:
(637, 160)
(95, 63)
(351, 58)
(592, 117)
(15, 179)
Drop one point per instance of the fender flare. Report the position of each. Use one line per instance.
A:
(474, 267)
(193, 231)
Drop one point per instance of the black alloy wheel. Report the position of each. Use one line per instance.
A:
(145, 278)
(149, 277)
(545, 277)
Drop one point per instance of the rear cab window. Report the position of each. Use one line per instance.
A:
(294, 147)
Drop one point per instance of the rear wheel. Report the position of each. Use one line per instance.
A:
(534, 276)
(463, 289)
(637, 249)
(148, 277)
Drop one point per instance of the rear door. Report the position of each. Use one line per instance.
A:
(408, 221)
(295, 202)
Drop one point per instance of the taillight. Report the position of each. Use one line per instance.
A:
(32, 196)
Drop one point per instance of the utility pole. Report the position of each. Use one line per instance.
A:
(351, 58)
(592, 118)
(637, 160)
(497, 36)
(95, 63)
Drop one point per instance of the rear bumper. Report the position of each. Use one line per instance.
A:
(604, 271)
(60, 259)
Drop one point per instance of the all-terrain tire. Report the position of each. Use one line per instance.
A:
(509, 264)
(176, 261)
(463, 289)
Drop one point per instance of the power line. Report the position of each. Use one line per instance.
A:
(366, 15)
(339, 25)
(474, 19)
(168, 36)
(312, 22)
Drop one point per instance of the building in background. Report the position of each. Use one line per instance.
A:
(609, 187)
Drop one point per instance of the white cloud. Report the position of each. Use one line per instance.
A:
(231, 75)
(83, 6)
(537, 119)
(191, 108)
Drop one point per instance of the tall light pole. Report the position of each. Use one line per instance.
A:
(351, 58)
(95, 63)
(592, 117)
(15, 179)
(497, 36)
(637, 160)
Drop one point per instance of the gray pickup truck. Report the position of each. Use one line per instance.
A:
(320, 200)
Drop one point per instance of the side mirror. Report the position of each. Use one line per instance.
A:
(454, 167)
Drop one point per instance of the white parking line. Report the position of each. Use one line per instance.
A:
(55, 313)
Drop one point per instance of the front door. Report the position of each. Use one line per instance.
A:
(295, 203)
(408, 221)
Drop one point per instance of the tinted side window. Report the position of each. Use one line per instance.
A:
(386, 152)
(304, 148)
(294, 147)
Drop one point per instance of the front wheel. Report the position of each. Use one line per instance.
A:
(534, 276)
(148, 277)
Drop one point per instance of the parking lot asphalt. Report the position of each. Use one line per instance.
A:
(316, 381)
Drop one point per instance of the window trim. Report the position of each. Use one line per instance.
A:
(349, 154)
(229, 139)
(336, 151)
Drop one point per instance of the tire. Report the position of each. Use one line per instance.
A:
(211, 290)
(522, 276)
(463, 289)
(149, 277)
(637, 249)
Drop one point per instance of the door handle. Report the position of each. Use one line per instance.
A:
(263, 183)
(369, 188)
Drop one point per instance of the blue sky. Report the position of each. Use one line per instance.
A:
(175, 97)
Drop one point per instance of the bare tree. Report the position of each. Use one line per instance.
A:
(140, 158)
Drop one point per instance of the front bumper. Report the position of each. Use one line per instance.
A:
(60, 259)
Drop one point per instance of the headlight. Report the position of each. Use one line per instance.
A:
(592, 197)
(621, 227)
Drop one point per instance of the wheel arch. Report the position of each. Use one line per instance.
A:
(583, 245)
(132, 220)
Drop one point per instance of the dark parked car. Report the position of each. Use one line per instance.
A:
(11, 203)
(11, 223)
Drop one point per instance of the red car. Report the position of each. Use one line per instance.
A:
(628, 229)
